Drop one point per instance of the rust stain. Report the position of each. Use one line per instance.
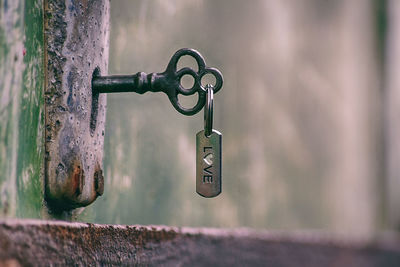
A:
(78, 178)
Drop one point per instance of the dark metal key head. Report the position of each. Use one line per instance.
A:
(168, 82)
(174, 86)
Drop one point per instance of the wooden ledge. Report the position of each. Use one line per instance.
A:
(43, 243)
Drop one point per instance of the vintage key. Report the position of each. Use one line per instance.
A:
(208, 141)
(209, 153)
(168, 82)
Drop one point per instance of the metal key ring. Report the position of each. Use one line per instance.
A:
(208, 110)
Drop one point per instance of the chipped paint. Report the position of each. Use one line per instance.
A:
(60, 143)
(21, 108)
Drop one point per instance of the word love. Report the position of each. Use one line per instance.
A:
(208, 167)
(207, 171)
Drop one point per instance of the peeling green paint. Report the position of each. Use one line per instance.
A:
(21, 108)
(31, 121)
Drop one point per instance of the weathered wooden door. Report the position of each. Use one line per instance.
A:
(52, 132)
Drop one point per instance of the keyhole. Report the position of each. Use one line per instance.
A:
(95, 106)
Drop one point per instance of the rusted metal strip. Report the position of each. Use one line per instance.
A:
(43, 243)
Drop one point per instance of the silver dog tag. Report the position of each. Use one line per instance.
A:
(208, 163)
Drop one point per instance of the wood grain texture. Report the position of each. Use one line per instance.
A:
(21, 108)
(44, 243)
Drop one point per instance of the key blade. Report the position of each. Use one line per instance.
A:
(208, 164)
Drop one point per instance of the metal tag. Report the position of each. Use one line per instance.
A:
(208, 164)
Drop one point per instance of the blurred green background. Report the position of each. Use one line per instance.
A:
(301, 113)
